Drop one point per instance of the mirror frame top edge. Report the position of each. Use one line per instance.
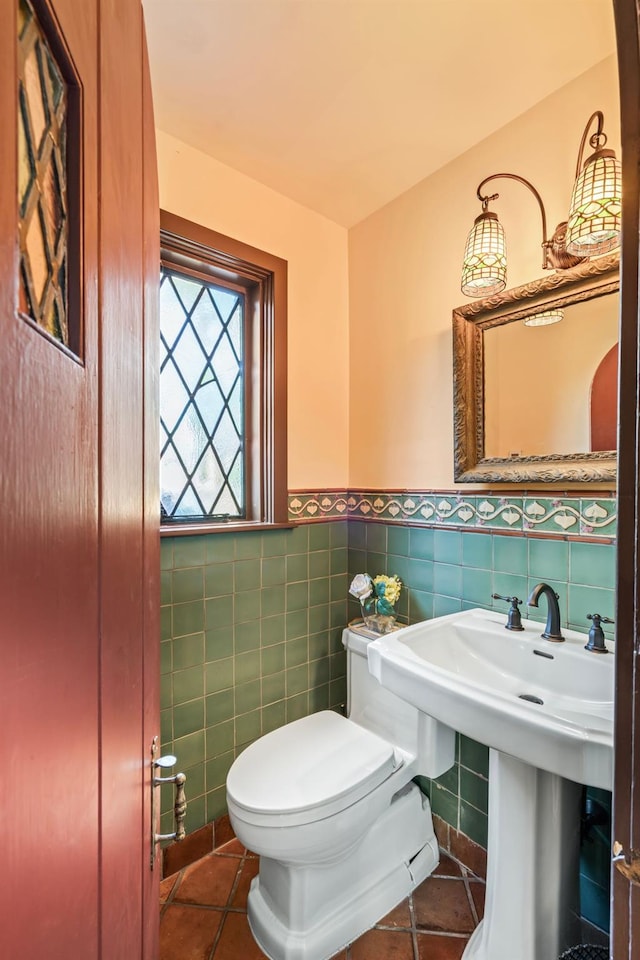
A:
(594, 278)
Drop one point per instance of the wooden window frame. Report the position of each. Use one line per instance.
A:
(196, 250)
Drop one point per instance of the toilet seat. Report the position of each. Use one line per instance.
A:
(309, 770)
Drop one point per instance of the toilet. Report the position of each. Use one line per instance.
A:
(329, 804)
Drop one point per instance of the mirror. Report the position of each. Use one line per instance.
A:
(538, 402)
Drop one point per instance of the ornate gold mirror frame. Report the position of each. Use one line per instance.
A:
(584, 282)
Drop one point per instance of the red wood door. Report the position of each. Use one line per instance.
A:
(78, 487)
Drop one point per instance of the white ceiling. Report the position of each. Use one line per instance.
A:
(344, 104)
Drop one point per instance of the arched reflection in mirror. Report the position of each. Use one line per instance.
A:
(538, 380)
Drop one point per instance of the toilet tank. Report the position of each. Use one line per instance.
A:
(382, 712)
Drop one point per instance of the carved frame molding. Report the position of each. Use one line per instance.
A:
(594, 278)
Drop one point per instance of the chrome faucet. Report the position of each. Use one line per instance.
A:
(552, 629)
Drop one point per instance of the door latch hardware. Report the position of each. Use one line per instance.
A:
(627, 863)
(180, 802)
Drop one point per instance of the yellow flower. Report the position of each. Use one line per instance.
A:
(392, 587)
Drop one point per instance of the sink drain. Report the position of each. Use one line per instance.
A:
(530, 698)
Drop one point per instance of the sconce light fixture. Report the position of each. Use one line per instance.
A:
(544, 318)
(593, 227)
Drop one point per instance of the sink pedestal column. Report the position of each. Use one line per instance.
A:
(532, 894)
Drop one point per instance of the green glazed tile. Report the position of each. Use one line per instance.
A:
(499, 513)
(376, 537)
(319, 536)
(218, 644)
(337, 614)
(320, 617)
(477, 550)
(509, 585)
(443, 606)
(273, 571)
(246, 696)
(273, 716)
(420, 575)
(246, 636)
(375, 563)
(249, 545)
(166, 690)
(166, 580)
(584, 600)
(450, 780)
(297, 707)
(219, 738)
(188, 684)
(217, 768)
(274, 544)
(166, 553)
(166, 658)
(447, 546)
(599, 517)
(473, 823)
(357, 535)
(552, 515)
(447, 580)
(399, 566)
(166, 623)
(510, 555)
(219, 707)
(297, 596)
(474, 790)
(188, 618)
(357, 562)
(319, 698)
(272, 630)
(188, 717)
(248, 727)
(339, 560)
(398, 541)
(320, 672)
(218, 675)
(319, 564)
(246, 575)
(216, 803)
(339, 586)
(420, 606)
(297, 624)
(444, 804)
(187, 584)
(247, 606)
(297, 680)
(296, 651)
(593, 564)
(220, 547)
(247, 666)
(189, 552)
(476, 585)
(297, 567)
(318, 645)
(298, 539)
(273, 688)
(339, 533)
(188, 651)
(549, 559)
(196, 815)
(272, 659)
(218, 579)
(338, 693)
(195, 780)
(273, 600)
(189, 750)
(219, 612)
(319, 591)
(166, 730)
(474, 756)
(338, 665)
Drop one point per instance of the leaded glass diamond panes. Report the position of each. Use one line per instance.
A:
(42, 178)
(202, 456)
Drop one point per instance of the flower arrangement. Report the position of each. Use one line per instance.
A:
(377, 597)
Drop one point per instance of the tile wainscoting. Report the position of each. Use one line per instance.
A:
(252, 621)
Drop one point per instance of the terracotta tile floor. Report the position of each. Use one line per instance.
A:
(204, 914)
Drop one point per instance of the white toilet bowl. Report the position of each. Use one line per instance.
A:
(328, 804)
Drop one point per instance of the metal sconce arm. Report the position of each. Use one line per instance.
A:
(594, 140)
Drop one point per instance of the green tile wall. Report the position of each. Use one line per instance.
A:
(449, 570)
(251, 630)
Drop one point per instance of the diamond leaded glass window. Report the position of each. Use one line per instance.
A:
(42, 179)
(202, 409)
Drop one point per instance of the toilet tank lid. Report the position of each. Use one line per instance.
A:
(309, 763)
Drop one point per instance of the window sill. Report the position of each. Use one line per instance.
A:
(201, 529)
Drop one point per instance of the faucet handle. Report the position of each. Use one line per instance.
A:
(596, 642)
(514, 620)
(598, 619)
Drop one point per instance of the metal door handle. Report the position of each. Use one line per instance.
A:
(180, 802)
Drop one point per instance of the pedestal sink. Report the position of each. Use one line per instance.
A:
(545, 710)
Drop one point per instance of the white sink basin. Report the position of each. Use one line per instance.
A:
(469, 672)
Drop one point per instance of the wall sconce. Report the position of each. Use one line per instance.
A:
(544, 318)
(593, 227)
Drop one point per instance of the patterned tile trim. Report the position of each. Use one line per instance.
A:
(572, 515)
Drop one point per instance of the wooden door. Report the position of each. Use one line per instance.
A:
(78, 480)
(626, 826)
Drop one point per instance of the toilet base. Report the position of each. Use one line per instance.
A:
(310, 912)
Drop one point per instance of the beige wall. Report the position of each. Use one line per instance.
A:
(195, 186)
(404, 280)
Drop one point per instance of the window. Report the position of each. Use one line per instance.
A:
(222, 381)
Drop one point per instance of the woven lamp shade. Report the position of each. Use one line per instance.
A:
(544, 318)
(595, 213)
(484, 269)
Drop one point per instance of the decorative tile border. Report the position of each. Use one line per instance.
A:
(568, 515)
